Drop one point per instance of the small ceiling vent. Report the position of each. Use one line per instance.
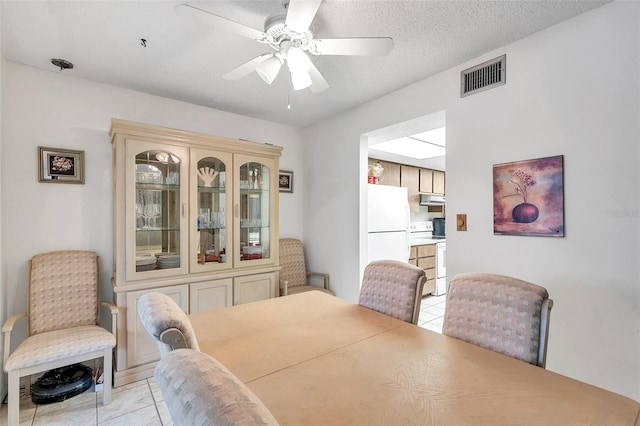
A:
(485, 76)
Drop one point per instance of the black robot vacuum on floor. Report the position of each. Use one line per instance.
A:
(61, 383)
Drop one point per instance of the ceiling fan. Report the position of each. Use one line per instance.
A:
(288, 34)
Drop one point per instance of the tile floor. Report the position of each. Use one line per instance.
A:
(141, 403)
(138, 404)
(432, 313)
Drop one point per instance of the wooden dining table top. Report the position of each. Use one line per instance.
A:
(315, 359)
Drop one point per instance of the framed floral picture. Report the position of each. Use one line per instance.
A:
(528, 197)
(57, 165)
(285, 181)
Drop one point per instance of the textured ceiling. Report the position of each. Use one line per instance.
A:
(185, 59)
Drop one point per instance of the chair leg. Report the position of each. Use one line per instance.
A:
(14, 398)
(27, 384)
(107, 374)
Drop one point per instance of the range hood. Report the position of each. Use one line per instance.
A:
(431, 200)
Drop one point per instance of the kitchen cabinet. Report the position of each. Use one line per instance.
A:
(424, 256)
(432, 181)
(195, 216)
(438, 182)
(410, 178)
(391, 174)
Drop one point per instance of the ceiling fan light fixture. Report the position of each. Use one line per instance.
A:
(297, 60)
(300, 79)
(269, 69)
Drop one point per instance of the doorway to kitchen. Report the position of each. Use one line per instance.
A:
(411, 156)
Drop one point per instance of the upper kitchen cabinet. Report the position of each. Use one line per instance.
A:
(195, 215)
(438, 182)
(391, 174)
(410, 178)
(431, 181)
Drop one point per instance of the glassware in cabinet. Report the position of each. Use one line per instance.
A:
(210, 213)
(254, 205)
(157, 193)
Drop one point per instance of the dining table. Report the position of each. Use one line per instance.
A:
(317, 359)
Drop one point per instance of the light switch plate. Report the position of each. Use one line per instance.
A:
(461, 222)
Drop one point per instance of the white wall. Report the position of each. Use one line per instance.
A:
(3, 290)
(572, 90)
(54, 109)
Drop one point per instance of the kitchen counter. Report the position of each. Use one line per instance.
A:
(425, 241)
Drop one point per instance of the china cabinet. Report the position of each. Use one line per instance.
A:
(196, 217)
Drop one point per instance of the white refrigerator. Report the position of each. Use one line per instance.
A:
(388, 225)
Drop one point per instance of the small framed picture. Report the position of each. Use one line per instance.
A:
(285, 181)
(60, 165)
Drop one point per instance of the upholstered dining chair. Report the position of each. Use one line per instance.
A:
(62, 322)
(393, 288)
(294, 277)
(199, 390)
(500, 313)
(166, 322)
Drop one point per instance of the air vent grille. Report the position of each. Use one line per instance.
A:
(484, 76)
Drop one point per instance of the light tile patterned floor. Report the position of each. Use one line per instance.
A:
(141, 403)
(138, 404)
(432, 313)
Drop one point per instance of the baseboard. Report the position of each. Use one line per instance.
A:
(134, 374)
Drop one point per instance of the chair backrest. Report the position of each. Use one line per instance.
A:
(199, 390)
(63, 290)
(500, 313)
(393, 288)
(166, 322)
(292, 262)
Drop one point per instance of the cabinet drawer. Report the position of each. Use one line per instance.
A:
(429, 287)
(430, 273)
(413, 261)
(413, 252)
(427, 262)
(427, 250)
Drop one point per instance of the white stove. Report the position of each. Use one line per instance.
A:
(422, 233)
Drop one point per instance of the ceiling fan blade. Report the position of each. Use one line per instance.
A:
(246, 68)
(366, 46)
(216, 21)
(300, 14)
(319, 84)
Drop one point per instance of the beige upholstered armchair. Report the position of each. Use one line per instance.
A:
(166, 323)
(199, 390)
(62, 322)
(294, 277)
(393, 288)
(500, 313)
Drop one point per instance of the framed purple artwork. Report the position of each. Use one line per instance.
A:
(528, 197)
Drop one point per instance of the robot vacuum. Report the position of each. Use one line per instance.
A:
(61, 383)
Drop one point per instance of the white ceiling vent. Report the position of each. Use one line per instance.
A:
(485, 76)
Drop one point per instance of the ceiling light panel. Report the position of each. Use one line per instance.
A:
(410, 147)
(435, 136)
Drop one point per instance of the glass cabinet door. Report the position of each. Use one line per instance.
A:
(210, 210)
(254, 212)
(155, 204)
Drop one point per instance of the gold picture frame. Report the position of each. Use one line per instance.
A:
(57, 165)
